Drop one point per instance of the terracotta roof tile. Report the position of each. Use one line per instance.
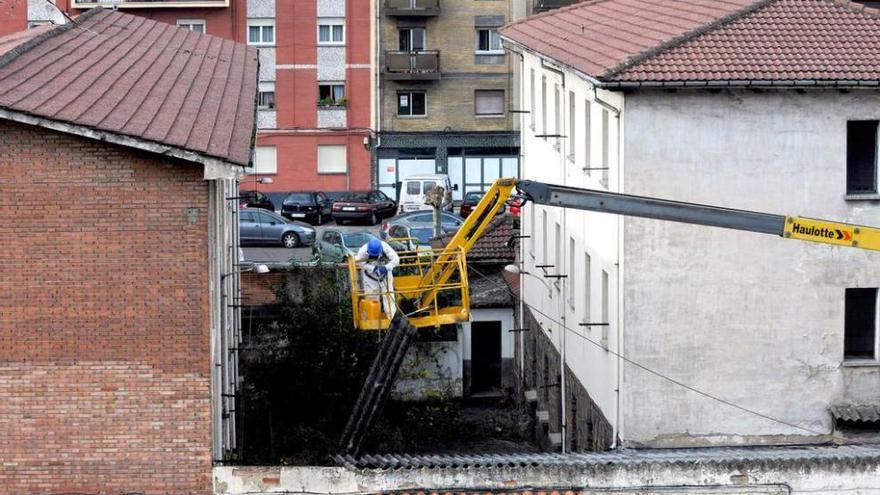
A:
(709, 40)
(137, 77)
(498, 244)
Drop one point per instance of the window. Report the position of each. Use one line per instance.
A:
(489, 102)
(532, 232)
(331, 94)
(572, 115)
(266, 96)
(197, 25)
(544, 106)
(588, 287)
(532, 99)
(265, 160)
(331, 32)
(544, 251)
(332, 159)
(572, 282)
(412, 187)
(261, 31)
(605, 308)
(411, 104)
(411, 39)
(488, 41)
(588, 136)
(557, 114)
(557, 258)
(860, 324)
(606, 144)
(861, 156)
(246, 216)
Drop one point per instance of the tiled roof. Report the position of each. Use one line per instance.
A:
(863, 413)
(139, 78)
(498, 244)
(489, 290)
(625, 457)
(657, 41)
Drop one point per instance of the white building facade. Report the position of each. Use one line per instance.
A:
(679, 335)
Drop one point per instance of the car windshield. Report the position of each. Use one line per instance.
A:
(357, 239)
(299, 198)
(422, 234)
(473, 197)
(354, 197)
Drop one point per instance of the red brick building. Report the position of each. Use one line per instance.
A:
(120, 140)
(314, 113)
(13, 16)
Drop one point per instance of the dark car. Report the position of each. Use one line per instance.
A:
(313, 207)
(255, 199)
(261, 227)
(371, 206)
(470, 202)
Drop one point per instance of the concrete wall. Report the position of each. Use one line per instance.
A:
(578, 298)
(751, 318)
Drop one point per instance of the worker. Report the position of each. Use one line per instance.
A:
(377, 261)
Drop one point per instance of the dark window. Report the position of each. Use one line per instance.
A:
(411, 39)
(245, 216)
(381, 196)
(327, 237)
(412, 187)
(331, 94)
(860, 323)
(861, 156)
(411, 103)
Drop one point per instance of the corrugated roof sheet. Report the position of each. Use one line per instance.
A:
(863, 413)
(141, 78)
(622, 457)
(709, 40)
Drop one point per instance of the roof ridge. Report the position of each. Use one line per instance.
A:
(38, 40)
(855, 7)
(684, 38)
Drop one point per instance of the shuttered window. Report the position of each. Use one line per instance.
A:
(489, 102)
(332, 159)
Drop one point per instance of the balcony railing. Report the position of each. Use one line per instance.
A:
(401, 8)
(412, 66)
(148, 4)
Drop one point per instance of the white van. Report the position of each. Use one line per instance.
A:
(414, 188)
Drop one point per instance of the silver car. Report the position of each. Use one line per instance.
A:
(422, 218)
(336, 244)
(263, 227)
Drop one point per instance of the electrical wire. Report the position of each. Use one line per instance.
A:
(645, 368)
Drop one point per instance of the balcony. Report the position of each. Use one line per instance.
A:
(412, 8)
(148, 4)
(412, 66)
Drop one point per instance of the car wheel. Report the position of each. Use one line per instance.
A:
(373, 218)
(290, 240)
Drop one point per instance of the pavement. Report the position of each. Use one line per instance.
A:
(270, 254)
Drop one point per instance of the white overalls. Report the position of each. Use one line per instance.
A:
(373, 282)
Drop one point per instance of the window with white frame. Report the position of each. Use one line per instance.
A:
(606, 307)
(411, 104)
(544, 106)
(860, 324)
(557, 113)
(197, 25)
(557, 258)
(332, 159)
(331, 94)
(588, 136)
(488, 41)
(606, 146)
(588, 286)
(532, 99)
(266, 96)
(545, 252)
(489, 102)
(261, 32)
(532, 232)
(572, 285)
(331, 31)
(265, 160)
(572, 127)
(861, 156)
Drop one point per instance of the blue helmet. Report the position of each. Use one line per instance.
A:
(374, 248)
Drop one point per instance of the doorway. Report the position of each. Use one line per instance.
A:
(485, 357)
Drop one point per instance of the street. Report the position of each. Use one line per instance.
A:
(273, 254)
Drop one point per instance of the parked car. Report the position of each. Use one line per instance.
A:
(405, 237)
(261, 227)
(255, 199)
(336, 244)
(470, 201)
(414, 188)
(313, 207)
(372, 206)
(448, 221)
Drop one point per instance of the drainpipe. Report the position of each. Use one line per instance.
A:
(522, 251)
(619, 312)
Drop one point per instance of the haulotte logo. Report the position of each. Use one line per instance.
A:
(823, 232)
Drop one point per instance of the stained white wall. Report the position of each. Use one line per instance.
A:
(751, 318)
(551, 160)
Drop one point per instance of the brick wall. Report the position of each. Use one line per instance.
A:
(104, 319)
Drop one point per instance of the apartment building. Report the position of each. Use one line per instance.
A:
(446, 97)
(672, 335)
(315, 80)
